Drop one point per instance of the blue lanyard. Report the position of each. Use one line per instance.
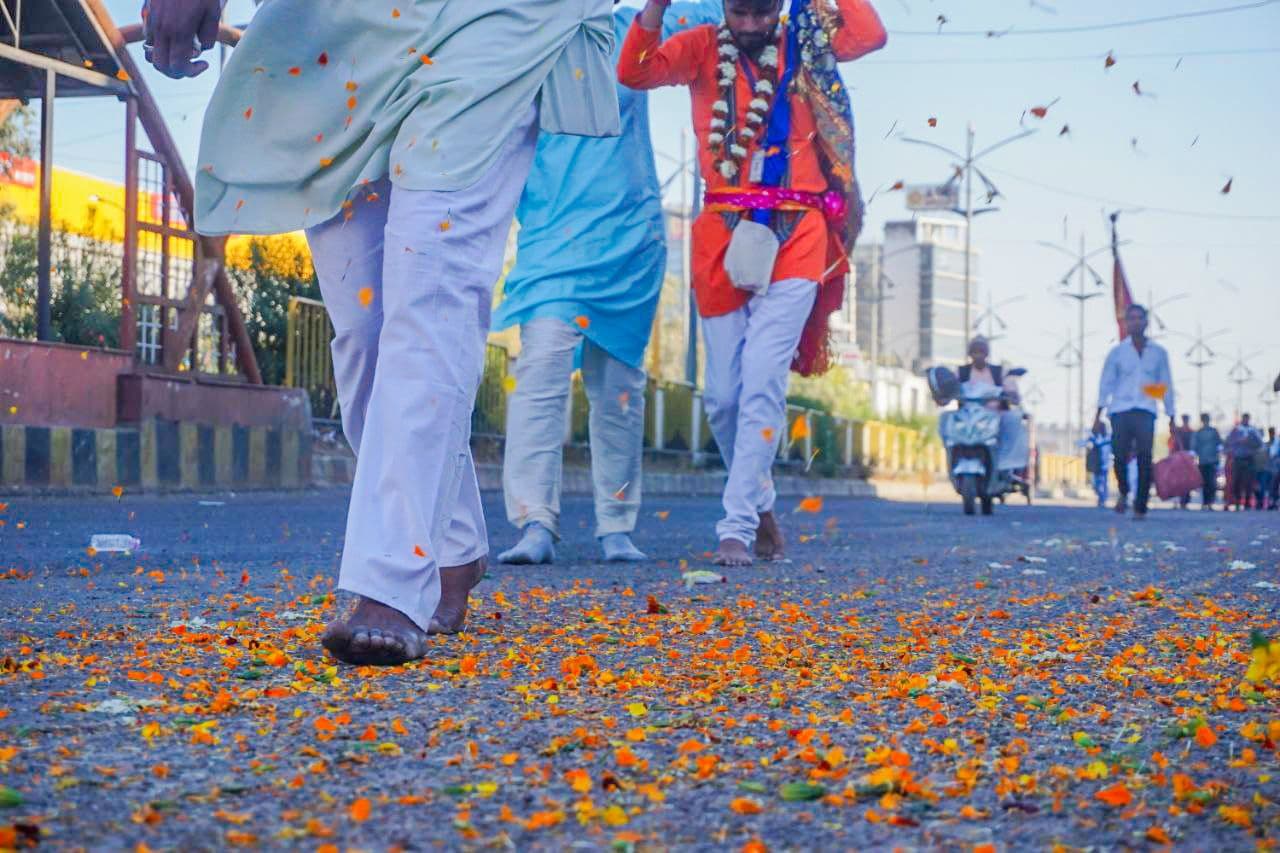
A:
(778, 133)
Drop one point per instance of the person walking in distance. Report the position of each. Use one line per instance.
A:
(590, 259)
(771, 246)
(1266, 469)
(399, 139)
(1273, 465)
(1098, 460)
(1207, 446)
(1243, 444)
(1182, 442)
(1135, 380)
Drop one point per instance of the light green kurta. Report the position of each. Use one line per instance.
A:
(324, 96)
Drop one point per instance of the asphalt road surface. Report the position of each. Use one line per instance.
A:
(909, 677)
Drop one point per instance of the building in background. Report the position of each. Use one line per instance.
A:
(846, 333)
(867, 259)
(923, 260)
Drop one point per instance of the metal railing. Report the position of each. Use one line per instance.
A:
(490, 414)
(675, 419)
(308, 364)
(1060, 470)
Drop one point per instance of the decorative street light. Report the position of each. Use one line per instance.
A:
(968, 166)
(1081, 295)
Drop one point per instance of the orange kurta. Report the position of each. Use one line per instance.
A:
(690, 58)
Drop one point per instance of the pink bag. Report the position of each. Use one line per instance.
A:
(1177, 475)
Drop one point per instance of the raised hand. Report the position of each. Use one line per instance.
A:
(176, 32)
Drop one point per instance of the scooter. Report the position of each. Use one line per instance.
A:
(971, 436)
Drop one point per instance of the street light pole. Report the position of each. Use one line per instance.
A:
(691, 354)
(969, 160)
(1200, 356)
(875, 333)
(1268, 398)
(1241, 374)
(1067, 358)
(968, 224)
(1082, 295)
(1081, 299)
(992, 318)
(880, 278)
(688, 213)
(1153, 308)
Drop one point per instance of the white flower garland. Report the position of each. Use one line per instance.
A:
(729, 161)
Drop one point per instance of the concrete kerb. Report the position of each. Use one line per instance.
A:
(577, 481)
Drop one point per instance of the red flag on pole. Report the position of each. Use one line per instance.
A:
(1121, 295)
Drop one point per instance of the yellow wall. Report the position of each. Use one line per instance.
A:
(92, 207)
(72, 210)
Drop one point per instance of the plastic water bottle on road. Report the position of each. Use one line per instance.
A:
(114, 543)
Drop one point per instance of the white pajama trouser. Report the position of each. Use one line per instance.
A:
(749, 353)
(410, 297)
(1013, 448)
(536, 414)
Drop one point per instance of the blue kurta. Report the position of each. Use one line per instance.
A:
(592, 238)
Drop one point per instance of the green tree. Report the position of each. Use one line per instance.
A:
(275, 272)
(837, 391)
(84, 306)
(17, 134)
(824, 438)
(17, 277)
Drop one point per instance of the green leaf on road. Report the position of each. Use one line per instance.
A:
(878, 790)
(753, 787)
(9, 798)
(801, 792)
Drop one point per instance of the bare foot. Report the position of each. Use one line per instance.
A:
(770, 544)
(375, 635)
(455, 583)
(732, 553)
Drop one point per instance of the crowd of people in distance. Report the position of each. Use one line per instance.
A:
(1244, 467)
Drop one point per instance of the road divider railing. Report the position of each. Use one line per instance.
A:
(1059, 470)
(675, 418)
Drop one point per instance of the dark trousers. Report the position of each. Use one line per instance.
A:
(1132, 434)
(1209, 477)
(1242, 477)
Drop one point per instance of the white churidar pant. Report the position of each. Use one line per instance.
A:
(749, 353)
(407, 280)
(536, 413)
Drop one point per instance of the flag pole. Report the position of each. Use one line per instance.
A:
(1121, 297)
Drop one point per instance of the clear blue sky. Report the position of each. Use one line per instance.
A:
(1225, 102)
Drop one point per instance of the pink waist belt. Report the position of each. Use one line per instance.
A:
(833, 205)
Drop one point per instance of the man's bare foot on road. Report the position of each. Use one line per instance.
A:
(455, 583)
(770, 544)
(732, 553)
(375, 635)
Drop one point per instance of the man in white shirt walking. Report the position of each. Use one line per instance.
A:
(1135, 378)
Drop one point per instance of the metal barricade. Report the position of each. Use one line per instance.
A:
(675, 419)
(308, 362)
(489, 418)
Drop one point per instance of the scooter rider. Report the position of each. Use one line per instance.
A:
(980, 369)
(1014, 452)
